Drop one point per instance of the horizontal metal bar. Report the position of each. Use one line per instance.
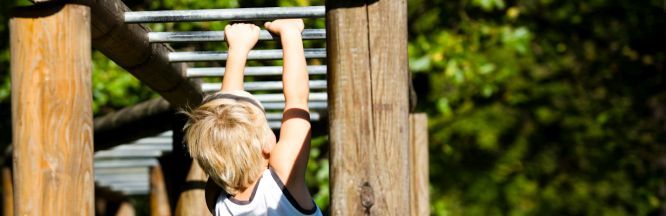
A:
(279, 97)
(154, 140)
(139, 147)
(125, 163)
(124, 153)
(314, 116)
(111, 179)
(210, 36)
(198, 56)
(262, 85)
(275, 124)
(267, 13)
(130, 186)
(280, 105)
(120, 170)
(250, 71)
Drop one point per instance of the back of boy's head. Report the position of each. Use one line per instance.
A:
(226, 135)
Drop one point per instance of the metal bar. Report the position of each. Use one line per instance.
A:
(275, 124)
(265, 85)
(120, 153)
(125, 163)
(198, 56)
(155, 140)
(123, 187)
(279, 97)
(250, 71)
(210, 36)
(314, 116)
(280, 105)
(268, 13)
(138, 147)
(111, 179)
(120, 170)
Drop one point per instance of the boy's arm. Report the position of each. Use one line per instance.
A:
(241, 38)
(289, 157)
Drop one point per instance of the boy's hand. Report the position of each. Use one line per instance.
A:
(283, 26)
(241, 36)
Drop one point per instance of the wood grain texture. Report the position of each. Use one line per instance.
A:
(419, 195)
(7, 191)
(368, 107)
(52, 112)
(192, 200)
(387, 23)
(159, 199)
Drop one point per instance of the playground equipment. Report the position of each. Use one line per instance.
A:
(378, 150)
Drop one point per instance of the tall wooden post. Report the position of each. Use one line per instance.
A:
(368, 105)
(7, 191)
(52, 110)
(159, 199)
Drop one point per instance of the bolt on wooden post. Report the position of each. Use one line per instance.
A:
(52, 110)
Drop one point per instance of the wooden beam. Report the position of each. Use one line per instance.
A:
(52, 110)
(127, 45)
(419, 195)
(159, 199)
(368, 107)
(145, 119)
(192, 199)
(7, 191)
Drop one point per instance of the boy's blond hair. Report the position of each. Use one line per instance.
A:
(226, 135)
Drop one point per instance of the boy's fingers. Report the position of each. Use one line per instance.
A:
(266, 24)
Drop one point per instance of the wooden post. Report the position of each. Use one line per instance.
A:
(159, 200)
(192, 199)
(52, 110)
(368, 102)
(7, 191)
(418, 158)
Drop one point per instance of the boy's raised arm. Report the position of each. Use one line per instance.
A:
(241, 37)
(289, 157)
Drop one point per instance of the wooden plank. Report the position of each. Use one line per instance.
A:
(7, 191)
(52, 110)
(145, 119)
(159, 199)
(192, 199)
(368, 108)
(419, 195)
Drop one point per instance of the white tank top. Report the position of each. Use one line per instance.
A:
(270, 197)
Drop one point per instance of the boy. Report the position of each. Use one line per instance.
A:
(230, 138)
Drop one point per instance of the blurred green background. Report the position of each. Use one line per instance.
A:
(536, 107)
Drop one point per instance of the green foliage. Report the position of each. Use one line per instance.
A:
(542, 107)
